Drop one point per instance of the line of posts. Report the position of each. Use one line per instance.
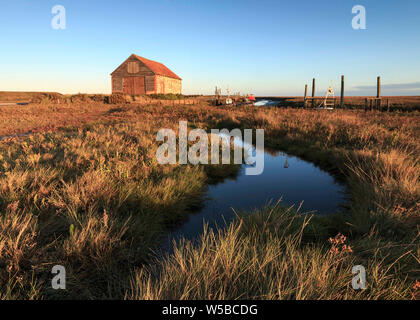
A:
(369, 102)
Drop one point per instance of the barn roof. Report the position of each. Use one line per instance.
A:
(156, 67)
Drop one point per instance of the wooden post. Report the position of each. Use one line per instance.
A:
(366, 104)
(342, 92)
(306, 94)
(313, 91)
(379, 102)
(387, 104)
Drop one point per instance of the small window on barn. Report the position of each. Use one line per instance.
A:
(132, 67)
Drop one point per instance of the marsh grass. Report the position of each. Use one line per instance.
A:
(104, 183)
(263, 255)
(93, 167)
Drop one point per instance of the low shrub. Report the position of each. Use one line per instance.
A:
(102, 98)
(52, 97)
(169, 96)
(117, 98)
(77, 98)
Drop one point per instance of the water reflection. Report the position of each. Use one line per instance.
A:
(295, 181)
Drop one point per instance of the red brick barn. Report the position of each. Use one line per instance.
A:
(137, 75)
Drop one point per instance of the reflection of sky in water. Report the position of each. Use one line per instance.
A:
(294, 182)
(262, 103)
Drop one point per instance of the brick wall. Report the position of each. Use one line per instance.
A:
(167, 85)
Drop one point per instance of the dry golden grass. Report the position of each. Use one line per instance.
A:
(16, 96)
(41, 118)
(93, 167)
(377, 155)
(264, 256)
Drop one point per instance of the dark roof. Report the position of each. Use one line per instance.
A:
(157, 67)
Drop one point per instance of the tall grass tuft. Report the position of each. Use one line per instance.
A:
(262, 255)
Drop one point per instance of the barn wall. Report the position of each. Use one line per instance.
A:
(132, 67)
(117, 84)
(150, 84)
(167, 85)
(134, 85)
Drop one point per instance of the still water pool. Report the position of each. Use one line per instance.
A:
(295, 181)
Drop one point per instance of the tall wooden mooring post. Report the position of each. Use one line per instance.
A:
(375, 103)
(313, 92)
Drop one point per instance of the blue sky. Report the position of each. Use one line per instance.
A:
(266, 47)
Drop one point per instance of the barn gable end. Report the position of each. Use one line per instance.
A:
(138, 75)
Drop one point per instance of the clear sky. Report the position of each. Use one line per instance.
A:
(265, 47)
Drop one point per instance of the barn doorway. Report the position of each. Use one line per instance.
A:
(134, 86)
